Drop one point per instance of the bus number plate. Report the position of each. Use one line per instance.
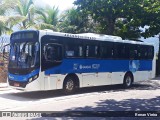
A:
(16, 84)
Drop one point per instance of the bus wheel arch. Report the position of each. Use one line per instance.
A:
(128, 79)
(70, 83)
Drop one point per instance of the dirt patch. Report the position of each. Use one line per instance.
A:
(3, 71)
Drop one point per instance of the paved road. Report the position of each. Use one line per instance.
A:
(143, 96)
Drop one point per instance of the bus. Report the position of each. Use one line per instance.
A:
(42, 60)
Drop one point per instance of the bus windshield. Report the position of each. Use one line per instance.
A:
(24, 55)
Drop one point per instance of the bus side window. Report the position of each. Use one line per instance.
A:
(52, 53)
(133, 53)
(92, 51)
(119, 51)
(107, 50)
(69, 51)
(150, 52)
(144, 52)
(73, 51)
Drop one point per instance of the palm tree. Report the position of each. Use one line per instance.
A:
(12, 14)
(47, 18)
(25, 9)
(4, 5)
(7, 23)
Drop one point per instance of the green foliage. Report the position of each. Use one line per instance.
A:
(74, 21)
(151, 17)
(25, 9)
(20, 14)
(110, 14)
(5, 5)
(47, 18)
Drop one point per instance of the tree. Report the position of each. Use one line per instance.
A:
(151, 18)
(74, 21)
(25, 9)
(47, 18)
(5, 5)
(20, 14)
(136, 13)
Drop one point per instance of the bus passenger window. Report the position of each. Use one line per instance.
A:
(107, 50)
(121, 52)
(52, 53)
(133, 53)
(143, 51)
(73, 51)
(91, 51)
(150, 53)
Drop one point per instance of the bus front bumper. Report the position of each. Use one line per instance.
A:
(24, 86)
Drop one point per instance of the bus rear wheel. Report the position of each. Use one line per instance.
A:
(69, 85)
(128, 80)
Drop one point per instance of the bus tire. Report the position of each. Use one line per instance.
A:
(69, 85)
(128, 80)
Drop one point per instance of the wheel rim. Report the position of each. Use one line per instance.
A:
(70, 85)
(128, 81)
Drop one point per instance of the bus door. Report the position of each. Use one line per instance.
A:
(51, 60)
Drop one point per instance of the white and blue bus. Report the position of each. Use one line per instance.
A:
(45, 60)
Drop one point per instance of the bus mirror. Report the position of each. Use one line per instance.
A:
(6, 51)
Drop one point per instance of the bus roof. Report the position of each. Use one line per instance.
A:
(89, 36)
(94, 36)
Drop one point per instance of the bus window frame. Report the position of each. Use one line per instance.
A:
(92, 43)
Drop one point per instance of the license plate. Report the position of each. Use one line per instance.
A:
(16, 84)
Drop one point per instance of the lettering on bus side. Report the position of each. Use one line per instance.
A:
(93, 66)
(78, 36)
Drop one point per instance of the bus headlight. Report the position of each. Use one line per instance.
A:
(33, 78)
(30, 79)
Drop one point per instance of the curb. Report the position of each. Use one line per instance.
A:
(5, 89)
(3, 85)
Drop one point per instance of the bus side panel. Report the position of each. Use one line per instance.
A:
(96, 79)
(103, 78)
(88, 79)
(117, 77)
(50, 82)
(141, 75)
(53, 82)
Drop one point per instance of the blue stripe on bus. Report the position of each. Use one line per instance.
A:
(23, 78)
(89, 66)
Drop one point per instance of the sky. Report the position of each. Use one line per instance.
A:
(62, 4)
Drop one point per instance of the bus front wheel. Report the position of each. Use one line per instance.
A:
(69, 85)
(128, 80)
